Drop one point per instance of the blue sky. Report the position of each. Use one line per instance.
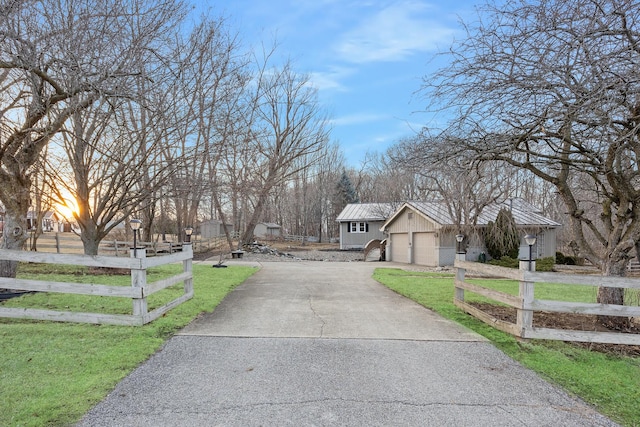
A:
(366, 57)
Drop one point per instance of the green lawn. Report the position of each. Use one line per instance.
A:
(52, 373)
(611, 383)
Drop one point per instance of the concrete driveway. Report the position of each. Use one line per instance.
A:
(322, 344)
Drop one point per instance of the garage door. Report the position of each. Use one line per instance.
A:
(424, 247)
(399, 244)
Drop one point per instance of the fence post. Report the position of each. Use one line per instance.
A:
(57, 243)
(524, 318)
(139, 280)
(459, 292)
(187, 267)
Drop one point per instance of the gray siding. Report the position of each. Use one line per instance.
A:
(359, 240)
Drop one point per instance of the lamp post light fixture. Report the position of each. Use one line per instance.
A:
(459, 239)
(135, 226)
(460, 254)
(530, 239)
(188, 231)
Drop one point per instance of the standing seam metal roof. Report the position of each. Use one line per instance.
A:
(438, 212)
(366, 212)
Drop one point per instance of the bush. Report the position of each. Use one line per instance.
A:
(506, 261)
(565, 259)
(542, 264)
(502, 238)
(545, 264)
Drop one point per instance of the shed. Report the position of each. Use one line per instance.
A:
(213, 228)
(424, 233)
(267, 230)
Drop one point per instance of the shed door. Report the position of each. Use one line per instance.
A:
(424, 247)
(399, 246)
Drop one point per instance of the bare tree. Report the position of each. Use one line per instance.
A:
(554, 88)
(465, 187)
(113, 153)
(289, 126)
(58, 58)
(209, 101)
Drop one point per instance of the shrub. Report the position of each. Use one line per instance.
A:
(565, 259)
(506, 261)
(542, 264)
(545, 264)
(502, 237)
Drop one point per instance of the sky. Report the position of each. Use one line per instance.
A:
(367, 58)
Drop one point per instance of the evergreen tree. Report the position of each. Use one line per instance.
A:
(345, 192)
(502, 237)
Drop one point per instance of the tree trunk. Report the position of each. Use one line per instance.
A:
(90, 234)
(91, 246)
(247, 236)
(15, 232)
(614, 296)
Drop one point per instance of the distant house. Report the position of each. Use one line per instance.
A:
(213, 228)
(51, 221)
(423, 233)
(361, 222)
(267, 230)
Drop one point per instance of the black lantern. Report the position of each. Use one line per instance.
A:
(135, 226)
(459, 239)
(530, 239)
(188, 231)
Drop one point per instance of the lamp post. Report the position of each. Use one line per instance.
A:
(188, 231)
(135, 226)
(530, 239)
(459, 252)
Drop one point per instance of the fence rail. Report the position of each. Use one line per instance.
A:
(526, 304)
(138, 292)
(70, 243)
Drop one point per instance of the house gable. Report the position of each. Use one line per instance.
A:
(407, 218)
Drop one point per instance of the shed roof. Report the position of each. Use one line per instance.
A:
(270, 224)
(366, 212)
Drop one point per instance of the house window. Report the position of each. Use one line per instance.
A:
(358, 227)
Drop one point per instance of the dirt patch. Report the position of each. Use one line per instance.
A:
(577, 322)
(282, 250)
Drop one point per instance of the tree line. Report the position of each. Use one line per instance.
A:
(133, 108)
(128, 109)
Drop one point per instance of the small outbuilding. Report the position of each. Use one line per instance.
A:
(213, 228)
(361, 222)
(267, 230)
(424, 233)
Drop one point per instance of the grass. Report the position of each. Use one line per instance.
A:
(610, 383)
(52, 373)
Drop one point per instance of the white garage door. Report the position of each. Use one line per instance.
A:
(399, 244)
(424, 247)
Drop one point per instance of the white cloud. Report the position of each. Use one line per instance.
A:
(332, 79)
(393, 34)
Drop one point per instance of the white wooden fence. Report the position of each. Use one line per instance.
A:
(138, 291)
(525, 303)
(71, 243)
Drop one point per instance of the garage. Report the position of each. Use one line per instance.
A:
(424, 249)
(399, 243)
